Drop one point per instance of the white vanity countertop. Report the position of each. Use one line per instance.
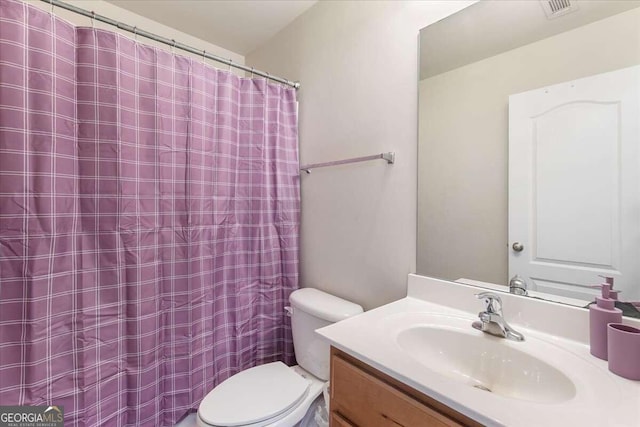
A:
(602, 398)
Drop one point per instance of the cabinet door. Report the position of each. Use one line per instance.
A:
(367, 401)
(338, 420)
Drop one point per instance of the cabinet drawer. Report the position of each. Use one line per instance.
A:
(367, 401)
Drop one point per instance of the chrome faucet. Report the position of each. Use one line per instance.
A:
(491, 319)
(518, 286)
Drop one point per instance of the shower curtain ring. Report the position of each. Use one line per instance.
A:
(251, 72)
(204, 56)
(266, 79)
(230, 62)
(135, 33)
(173, 46)
(93, 17)
(52, 5)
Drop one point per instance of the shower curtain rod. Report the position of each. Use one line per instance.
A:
(172, 43)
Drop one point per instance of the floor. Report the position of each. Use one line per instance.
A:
(189, 421)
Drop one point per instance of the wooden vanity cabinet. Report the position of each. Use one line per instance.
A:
(362, 396)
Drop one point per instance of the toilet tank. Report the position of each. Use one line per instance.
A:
(313, 309)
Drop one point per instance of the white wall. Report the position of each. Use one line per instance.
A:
(358, 65)
(463, 191)
(101, 7)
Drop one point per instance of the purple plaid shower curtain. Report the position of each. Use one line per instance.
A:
(149, 220)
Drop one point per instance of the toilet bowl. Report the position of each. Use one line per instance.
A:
(274, 394)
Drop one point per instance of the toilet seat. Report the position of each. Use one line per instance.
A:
(255, 397)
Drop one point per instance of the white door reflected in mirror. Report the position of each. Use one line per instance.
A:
(574, 185)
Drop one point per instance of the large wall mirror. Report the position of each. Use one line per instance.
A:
(529, 148)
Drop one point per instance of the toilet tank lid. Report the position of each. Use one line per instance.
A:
(323, 305)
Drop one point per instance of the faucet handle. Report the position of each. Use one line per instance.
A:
(492, 302)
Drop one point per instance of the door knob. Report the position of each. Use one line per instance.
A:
(517, 246)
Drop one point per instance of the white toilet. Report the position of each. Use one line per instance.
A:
(274, 394)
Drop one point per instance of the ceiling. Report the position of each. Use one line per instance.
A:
(490, 27)
(240, 26)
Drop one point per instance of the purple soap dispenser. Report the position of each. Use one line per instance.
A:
(601, 314)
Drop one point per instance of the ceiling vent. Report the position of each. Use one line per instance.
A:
(556, 8)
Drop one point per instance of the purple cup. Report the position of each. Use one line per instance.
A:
(623, 342)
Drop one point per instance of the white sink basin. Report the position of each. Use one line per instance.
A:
(485, 362)
(545, 380)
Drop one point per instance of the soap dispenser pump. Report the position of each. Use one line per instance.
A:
(601, 314)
